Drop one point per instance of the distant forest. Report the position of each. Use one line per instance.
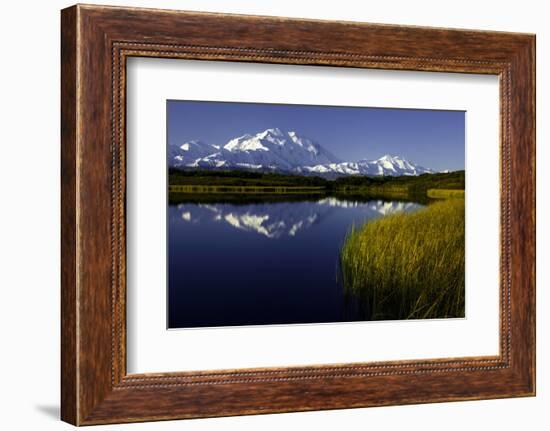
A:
(412, 184)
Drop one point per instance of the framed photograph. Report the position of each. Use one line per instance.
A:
(264, 215)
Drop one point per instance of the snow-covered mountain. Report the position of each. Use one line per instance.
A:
(192, 150)
(271, 149)
(282, 151)
(386, 165)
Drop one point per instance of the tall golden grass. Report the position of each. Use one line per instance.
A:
(445, 193)
(408, 266)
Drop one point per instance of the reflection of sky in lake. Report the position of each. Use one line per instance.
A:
(262, 263)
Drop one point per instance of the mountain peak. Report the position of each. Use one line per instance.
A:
(273, 131)
(275, 135)
(389, 157)
(274, 149)
(280, 150)
(193, 143)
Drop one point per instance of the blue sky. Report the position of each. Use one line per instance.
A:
(431, 138)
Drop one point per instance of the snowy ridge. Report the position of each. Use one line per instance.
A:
(283, 151)
(386, 165)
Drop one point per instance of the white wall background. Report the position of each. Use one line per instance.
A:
(29, 223)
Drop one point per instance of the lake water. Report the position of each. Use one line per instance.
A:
(262, 263)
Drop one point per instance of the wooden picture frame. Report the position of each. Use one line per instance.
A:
(95, 43)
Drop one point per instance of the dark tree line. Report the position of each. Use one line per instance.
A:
(413, 184)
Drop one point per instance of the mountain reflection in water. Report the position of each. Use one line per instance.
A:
(274, 220)
(263, 262)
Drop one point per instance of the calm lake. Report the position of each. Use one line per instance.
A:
(257, 263)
